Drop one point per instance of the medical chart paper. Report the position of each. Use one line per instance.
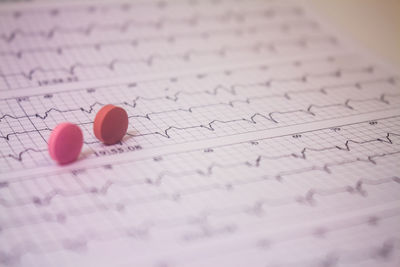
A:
(257, 137)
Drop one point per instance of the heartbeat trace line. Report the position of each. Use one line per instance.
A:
(229, 71)
(233, 90)
(388, 140)
(346, 147)
(126, 7)
(249, 100)
(228, 89)
(104, 189)
(268, 117)
(209, 171)
(185, 56)
(210, 125)
(169, 38)
(190, 21)
(255, 209)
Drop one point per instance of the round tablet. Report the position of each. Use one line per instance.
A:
(65, 143)
(110, 124)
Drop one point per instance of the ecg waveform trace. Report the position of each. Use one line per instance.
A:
(249, 108)
(253, 131)
(97, 50)
(344, 152)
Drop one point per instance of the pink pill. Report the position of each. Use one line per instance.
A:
(65, 143)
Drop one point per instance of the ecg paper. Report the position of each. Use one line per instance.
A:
(257, 137)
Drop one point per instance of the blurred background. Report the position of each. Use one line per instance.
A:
(374, 24)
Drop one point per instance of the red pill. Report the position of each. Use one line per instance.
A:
(110, 124)
(65, 143)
